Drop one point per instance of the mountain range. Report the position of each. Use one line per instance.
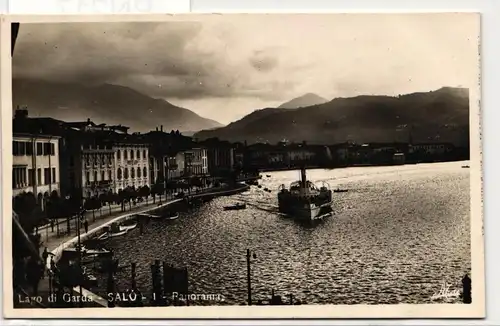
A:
(436, 116)
(303, 101)
(111, 104)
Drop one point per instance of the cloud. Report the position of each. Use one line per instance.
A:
(169, 60)
(238, 63)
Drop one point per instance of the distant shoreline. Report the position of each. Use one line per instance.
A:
(315, 167)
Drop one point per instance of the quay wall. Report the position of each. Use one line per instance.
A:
(57, 252)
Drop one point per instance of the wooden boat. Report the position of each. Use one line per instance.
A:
(268, 175)
(235, 207)
(173, 216)
(150, 215)
(128, 227)
(465, 166)
(112, 232)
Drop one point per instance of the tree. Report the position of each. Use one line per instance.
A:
(26, 207)
(159, 188)
(110, 198)
(121, 196)
(103, 199)
(144, 192)
(92, 204)
(54, 207)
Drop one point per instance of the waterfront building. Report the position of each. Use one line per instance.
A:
(35, 165)
(220, 157)
(196, 162)
(132, 163)
(164, 148)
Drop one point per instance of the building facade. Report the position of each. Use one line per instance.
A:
(132, 165)
(35, 166)
(97, 169)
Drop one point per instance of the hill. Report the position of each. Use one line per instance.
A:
(308, 99)
(441, 115)
(111, 104)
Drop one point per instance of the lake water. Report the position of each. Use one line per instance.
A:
(395, 237)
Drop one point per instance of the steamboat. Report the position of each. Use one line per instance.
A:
(304, 200)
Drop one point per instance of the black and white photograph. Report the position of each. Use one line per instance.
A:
(215, 165)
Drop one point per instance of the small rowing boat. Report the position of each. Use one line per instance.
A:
(235, 207)
(128, 227)
(109, 234)
(172, 217)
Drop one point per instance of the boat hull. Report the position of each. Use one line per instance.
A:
(306, 211)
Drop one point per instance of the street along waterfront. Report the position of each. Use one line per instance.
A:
(397, 235)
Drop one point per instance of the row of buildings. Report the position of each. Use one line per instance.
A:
(85, 159)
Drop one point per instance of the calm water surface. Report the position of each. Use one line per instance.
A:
(396, 235)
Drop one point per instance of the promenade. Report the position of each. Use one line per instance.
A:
(51, 239)
(57, 241)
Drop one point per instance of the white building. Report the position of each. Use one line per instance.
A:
(188, 163)
(35, 165)
(132, 165)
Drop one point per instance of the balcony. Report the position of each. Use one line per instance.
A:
(173, 166)
(99, 184)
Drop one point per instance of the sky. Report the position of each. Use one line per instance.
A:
(226, 66)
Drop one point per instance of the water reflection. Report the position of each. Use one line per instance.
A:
(395, 236)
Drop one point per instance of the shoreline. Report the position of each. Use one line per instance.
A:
(317, 167)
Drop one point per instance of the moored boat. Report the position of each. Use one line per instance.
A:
(112, 232)
(128, 227)
(173, 216)
(304, 200)
(237, 206)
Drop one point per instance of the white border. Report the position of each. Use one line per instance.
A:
(490, 55)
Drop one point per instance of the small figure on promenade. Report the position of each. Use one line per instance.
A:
(52, 224)
(45, 255)
(467, 287)
(86, 226)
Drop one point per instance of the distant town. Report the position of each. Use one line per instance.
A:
(99, 163)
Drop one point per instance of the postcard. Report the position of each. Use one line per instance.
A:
(242, 166)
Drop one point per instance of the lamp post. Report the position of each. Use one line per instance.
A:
(80, 271)
(249, 279)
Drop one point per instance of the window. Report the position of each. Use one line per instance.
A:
(132, 154)
(102, 176)
(144, 154)
(109, 175)
(15, 150)
(46, 149)
(39, 149)
(54, 179)
(132, 172)
(39, 177)
(18, 177)
(87, 177)
(118, 154)
(138, 172)
(31, 177)
(52, 149)
(46, 176)
(138, 154)
(95, 176)
(145, 172)
(119, 174)
(125, 154)
(29, 148)
(22, 148)
(125, 173)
